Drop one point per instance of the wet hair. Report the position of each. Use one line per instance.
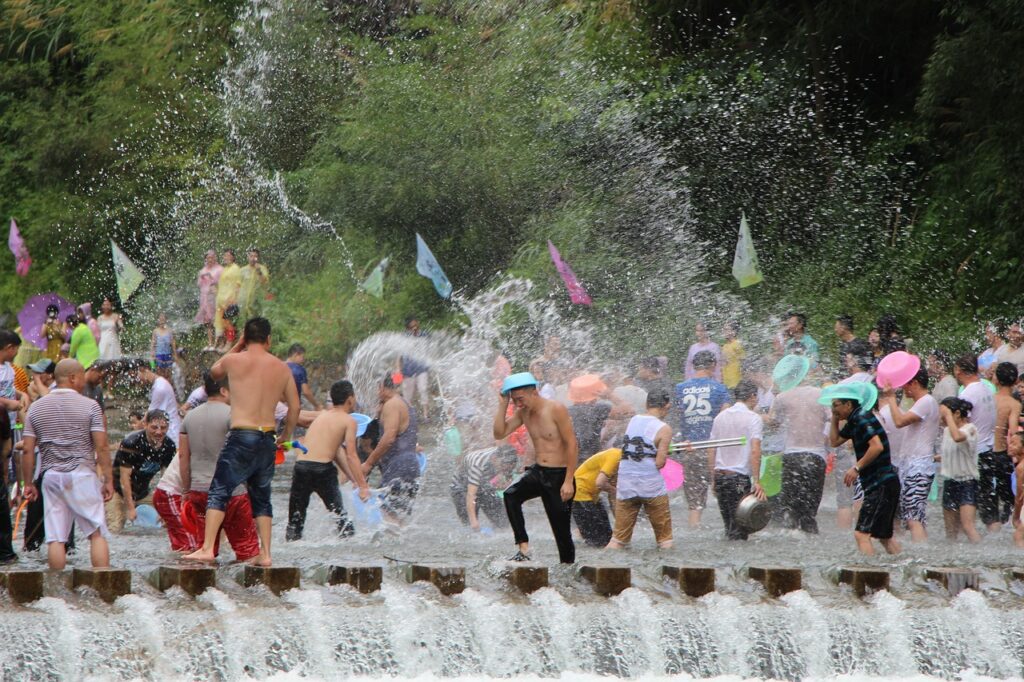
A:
(845, 321)
(887, 326)
(958, 406)
(9, 338)
(999, 327)
(231, 312)
(212, 386)
(1006, 374)
(136, 414)
(257, 330)
(658, 397)
(968, 364)
(800, 317)
(296, 349)
(861, 352)
(231, 251)
(388, 382)
(154, 415)
(703, 359)
(71, 320)
(942, 357)
(745, 390)
(850, 401)
(52, 309)
(922, 378)
(652, 363)
(253, 249)
(341, 391)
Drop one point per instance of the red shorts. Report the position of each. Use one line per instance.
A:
(239, 525)
(169, 509)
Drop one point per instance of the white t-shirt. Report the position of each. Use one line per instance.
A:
(893, 434)
(161, 397)
(170, 481)
(960, 460)
(736, 421)
(1008, 354)
(983, 414)
(918, 439)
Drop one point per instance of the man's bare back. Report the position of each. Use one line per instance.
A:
(1007, 416)
(258, 381)
(331, 438)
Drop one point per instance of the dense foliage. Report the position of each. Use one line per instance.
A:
(877, 149)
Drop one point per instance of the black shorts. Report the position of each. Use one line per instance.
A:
(879, 510)
(956, 494)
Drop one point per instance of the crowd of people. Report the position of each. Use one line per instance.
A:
(561, 432)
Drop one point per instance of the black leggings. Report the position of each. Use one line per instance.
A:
(995, 494)
(320, 478)
(6, 530)
(545, 483)
(803, 480)
(592, 520)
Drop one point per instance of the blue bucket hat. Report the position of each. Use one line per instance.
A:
(863, 392)
(520, 380)
(790, 371)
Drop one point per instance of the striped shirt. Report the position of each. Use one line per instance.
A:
(479, 470)
(62, 424)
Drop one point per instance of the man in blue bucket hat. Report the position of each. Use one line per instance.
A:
(330, 446)
(551, 478)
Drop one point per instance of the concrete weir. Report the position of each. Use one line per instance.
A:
(193, 579)
(22, 586)
(109, 583)
(278, 579)
(608, 580)
(777, 580)
(448, 580)
(366, 578)
(864, 579)
(693, 581)
(527, 576)
(955, 580)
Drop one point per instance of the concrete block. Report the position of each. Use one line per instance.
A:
(277, 578)
(777, 580)
(608, 580)
(527, 576)
(864, 579)
(955, 580)
(22, 586)
(109, 583)
(448, 580)
(363, 577)
(693, 581)
(192, 578)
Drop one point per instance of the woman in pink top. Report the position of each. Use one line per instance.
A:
(207, 282)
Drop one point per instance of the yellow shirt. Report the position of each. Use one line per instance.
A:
(733, 354)
(605, 462)
(228, 285)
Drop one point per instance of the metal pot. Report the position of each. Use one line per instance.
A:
(753, 514)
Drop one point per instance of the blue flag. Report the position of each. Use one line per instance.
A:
(428, 266)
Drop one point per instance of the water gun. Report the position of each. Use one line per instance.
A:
(288, 445)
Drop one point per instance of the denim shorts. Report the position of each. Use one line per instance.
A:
(956, 494)
(247, 457)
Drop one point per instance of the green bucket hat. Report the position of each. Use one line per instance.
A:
(790, 371)
(863, 392)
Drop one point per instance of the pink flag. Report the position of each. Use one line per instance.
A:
(577, 294)
(17, 245)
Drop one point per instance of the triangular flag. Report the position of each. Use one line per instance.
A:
(428, 266)
(744, 265)
(128, 276)
(577, 294)
(374, 284)
(22, 261)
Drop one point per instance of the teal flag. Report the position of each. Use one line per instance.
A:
(744, 264)
(374, 284)
(428, 266)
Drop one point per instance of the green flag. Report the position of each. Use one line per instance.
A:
(744, 265)
(128, 276)
(374, 284)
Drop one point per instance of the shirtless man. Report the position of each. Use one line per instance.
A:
(258, 381)
(395, 453)
(330, 443)
(551, 478)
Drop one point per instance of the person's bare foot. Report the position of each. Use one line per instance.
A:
(260, 560)
(200, 555)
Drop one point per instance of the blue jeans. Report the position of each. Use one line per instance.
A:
(247, 457)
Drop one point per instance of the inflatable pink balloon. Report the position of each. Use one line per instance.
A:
(896, 369)
(672, 472)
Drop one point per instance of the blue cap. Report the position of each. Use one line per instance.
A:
(520, 380)
(362, 421)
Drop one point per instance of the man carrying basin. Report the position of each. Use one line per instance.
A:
(551, 478)
(736, 469)
(330, 446)
(851, 403)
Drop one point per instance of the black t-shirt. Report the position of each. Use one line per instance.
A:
(145, 459)
(587, 421)
(860, 428)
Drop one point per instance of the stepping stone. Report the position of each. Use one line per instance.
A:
(864, 579)
(22, 586)
(1018, 574)
(608, 580)
(448, 580)
(777, 581)
(955, 580)
(364, 577)
(278, 579)
(193, 579)
(693, 581)
(527, 576)
(109, 583)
